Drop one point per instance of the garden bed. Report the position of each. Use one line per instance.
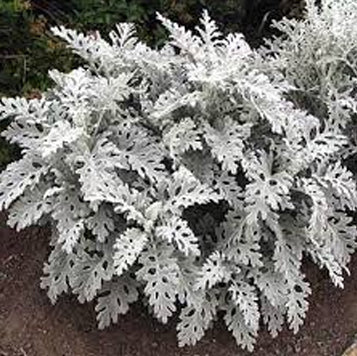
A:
(31, 326)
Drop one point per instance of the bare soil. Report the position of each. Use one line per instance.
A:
(31, 326)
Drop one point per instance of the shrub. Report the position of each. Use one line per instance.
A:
(318, 57)
(187, 176)
(28, 49)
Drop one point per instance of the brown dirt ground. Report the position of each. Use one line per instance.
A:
(31, 326)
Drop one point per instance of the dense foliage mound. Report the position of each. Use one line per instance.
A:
(196, 176)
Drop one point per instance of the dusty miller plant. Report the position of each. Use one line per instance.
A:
(318, 57)
(191, 176)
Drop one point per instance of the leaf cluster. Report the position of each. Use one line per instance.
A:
(196, 176)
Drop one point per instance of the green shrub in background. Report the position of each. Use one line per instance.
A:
(27, 49)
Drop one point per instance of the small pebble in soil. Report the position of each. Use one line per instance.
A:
(297, 348)
(290, 350)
